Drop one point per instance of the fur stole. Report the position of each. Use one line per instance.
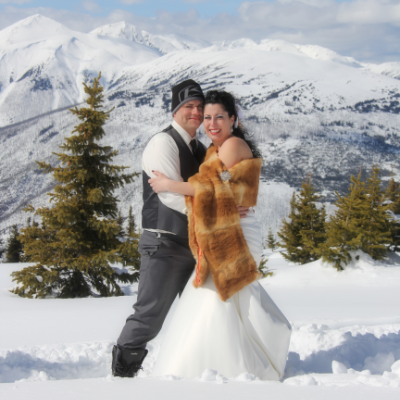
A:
(214, 222)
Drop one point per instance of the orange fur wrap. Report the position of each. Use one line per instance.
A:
(214, 222)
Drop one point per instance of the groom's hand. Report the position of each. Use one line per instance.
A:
(243, 211)
(160, 182)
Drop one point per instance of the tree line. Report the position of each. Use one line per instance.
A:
(82, 234)
(14, 251)
(365, 219)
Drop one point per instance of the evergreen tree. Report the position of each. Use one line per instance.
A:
(263, 268)
(375, 226)
(120, 221)
(78, 238)
(394, 227)
(306, 229)
(271, 242)
(14, 247)
(290, 232)
(393, 196)
(29, 235)
(132, 237)
(342, 233)
(359, 223)
(1, 249)
(131, 223)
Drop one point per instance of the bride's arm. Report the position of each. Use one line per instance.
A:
(161, 183)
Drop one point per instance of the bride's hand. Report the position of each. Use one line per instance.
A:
(160, 182)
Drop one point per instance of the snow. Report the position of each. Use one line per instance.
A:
(274, 45)
(43, 64)
(345, 342)
(390, 69)
(338, 368)
(166, 43)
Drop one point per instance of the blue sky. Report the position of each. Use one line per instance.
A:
(146, 8)
(368, 30)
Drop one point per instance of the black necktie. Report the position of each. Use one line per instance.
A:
(193, 145)
(195, 148)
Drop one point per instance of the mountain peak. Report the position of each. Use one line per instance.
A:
(322, 53)
(36, 18)
(34, 28)
(164, 43)
(119, 30)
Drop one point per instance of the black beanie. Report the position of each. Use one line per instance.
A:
(184, 92)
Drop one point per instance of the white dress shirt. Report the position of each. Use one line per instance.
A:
(162, 154)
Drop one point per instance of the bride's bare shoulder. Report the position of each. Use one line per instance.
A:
(236, 145)
(234, 150)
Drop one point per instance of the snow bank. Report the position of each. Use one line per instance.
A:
(53, 362)
(314, 351)
(318, 349)
(346, 334)
(361, 271)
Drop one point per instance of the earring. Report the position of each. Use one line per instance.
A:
(232, 128)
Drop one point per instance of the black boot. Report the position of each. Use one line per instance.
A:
(126, 363)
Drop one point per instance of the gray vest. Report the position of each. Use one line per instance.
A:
(155, 215)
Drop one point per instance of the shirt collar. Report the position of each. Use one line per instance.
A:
(185, 136)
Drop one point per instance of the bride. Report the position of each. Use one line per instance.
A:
(225, 320)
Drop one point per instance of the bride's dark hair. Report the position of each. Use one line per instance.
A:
(228, 103)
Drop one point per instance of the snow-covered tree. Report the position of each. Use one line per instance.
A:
(78, 238)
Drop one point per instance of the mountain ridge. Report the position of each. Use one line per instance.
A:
(163, 43)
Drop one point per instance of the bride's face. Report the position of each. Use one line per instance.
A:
(217, 123)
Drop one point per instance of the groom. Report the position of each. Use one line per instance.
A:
(166, 259)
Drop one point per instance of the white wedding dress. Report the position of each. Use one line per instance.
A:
(246, 334)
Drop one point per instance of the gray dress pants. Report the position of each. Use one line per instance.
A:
(166, 265)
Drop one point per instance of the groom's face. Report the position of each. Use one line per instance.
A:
(190, 116)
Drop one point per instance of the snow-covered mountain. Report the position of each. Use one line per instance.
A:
(310, 109)
(391, 69)
(273, 45)
(43, 65)
(163, 43)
